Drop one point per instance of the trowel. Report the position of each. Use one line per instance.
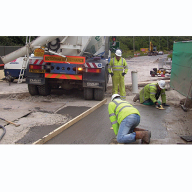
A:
(161, 107)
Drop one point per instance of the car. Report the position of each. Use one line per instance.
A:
(160, 53)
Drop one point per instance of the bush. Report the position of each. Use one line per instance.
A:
(129, 53)
(170, 56)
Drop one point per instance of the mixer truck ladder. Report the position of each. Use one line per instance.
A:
(22, 71)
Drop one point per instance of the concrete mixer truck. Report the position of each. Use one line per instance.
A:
(65, 62)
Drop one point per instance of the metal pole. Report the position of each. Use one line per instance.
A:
(134, 82)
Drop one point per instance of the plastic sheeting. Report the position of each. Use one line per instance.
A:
(181, 71)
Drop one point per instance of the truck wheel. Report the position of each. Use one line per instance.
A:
(33, 90)
(99, 94)
(44, 89)
(88, 93)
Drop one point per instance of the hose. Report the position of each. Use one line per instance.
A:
(4, 131)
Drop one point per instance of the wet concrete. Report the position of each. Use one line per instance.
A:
(93, 129)
(36, 133)
(153, 120)
(73, 111)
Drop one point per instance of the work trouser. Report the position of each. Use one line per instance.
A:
(150, 102)
(126, 128)
(118, 82)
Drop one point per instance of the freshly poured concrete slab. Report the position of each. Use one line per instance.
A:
(73, 111)
(95, 128)
(153, 120)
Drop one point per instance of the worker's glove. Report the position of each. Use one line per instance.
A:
(123, 74)
(111, 74)
(157, 105)
(164, 104)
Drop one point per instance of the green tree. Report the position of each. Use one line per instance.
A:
(14, 40)
(163, 43)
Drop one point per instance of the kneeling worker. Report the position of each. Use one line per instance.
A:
(124, 119)
(149, 95)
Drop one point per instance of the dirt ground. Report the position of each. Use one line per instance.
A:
(143, 65)
(17, 103)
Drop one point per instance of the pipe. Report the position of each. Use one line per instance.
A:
(64, 39)
(38, 42)
(134, 82)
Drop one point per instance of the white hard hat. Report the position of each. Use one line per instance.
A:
(118, 53)
(161, 84)
(114, 96)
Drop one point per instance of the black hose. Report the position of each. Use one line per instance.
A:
(4, 131)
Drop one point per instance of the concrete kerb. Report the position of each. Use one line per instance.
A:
(141, 84)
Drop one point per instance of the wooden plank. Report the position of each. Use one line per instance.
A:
(70, 123)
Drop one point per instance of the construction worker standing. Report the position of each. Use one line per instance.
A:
(124, 119)
(117, 69)
(149, 95)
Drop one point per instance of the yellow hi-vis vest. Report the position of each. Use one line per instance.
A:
(120, 65)
(149, 91)
(118, 110)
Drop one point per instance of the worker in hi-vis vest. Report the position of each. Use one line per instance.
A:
(150, 94)
(117, 69)
(124, 119)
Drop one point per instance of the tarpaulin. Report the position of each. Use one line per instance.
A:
(181, 71)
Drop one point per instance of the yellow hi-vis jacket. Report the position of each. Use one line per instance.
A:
(118, 66)
(149, 91)
(118, 110)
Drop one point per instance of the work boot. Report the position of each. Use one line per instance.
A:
(143, 141)
(144, 136)
(114, 141)
(136, 97)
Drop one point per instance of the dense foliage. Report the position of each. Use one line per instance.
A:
(14, 40)
(127, 43)
(163, 43)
